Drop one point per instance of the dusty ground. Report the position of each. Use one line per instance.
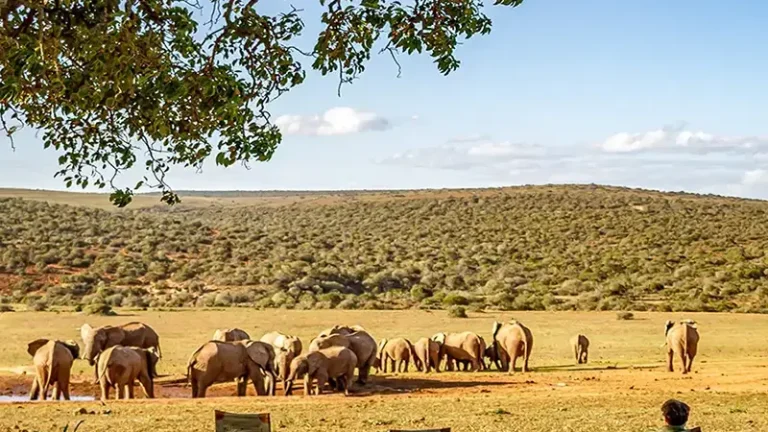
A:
(621, 389)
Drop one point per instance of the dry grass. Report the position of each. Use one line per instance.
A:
(621, 389)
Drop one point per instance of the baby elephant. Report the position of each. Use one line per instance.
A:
(119, 367)
(336, 363)
(53, 363)
(580, 345)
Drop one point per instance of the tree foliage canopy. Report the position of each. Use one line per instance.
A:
(109, 80)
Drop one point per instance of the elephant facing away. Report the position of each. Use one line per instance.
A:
(218, 362)
(134, 334)
(397, 352)
(460, 347)
(682, 341)
(360, 342)
(230, 335)
(580, 346)
(512, 340)
(427, 355)
(286, 347)
(118, 367)
(53, 365)
(334, 363)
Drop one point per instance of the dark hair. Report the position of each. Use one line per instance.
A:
(675, 412)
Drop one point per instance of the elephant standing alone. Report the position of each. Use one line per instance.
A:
(580, 345)
(53, 365)
(682, 340)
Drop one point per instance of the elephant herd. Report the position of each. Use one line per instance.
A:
(122, 355)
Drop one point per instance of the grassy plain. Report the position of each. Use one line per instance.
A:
(621, 388)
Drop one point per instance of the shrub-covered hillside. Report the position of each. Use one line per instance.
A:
(565, 247)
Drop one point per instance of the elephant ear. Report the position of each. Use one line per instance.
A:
(35, 345)
(86, 331)
(439, 338)
(73, 347)
(152, 359)
(668, 326)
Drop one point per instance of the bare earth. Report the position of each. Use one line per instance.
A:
(621, 389)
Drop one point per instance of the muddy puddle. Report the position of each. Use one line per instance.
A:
(25, 398)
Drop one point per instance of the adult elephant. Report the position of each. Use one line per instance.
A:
(360, 342)
(230, 335)
(53, 364)
(397, 353)
(287, 348)
(119, 367)
(134, 334)
(427, 355)
(682, 341)
(460, 347)
(512, 340)
(239, 361)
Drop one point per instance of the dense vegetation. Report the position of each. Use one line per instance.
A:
(555, 248)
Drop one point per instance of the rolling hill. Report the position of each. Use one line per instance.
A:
(526, 248)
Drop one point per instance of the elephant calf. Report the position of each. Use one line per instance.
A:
(53, 364)
(334, 363)
(580, 345)
(119, 367)
(397, 352)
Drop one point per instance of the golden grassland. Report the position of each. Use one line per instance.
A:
(621, 389)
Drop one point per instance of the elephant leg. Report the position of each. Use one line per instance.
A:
(129, 390)
(393, 365)
(513, 364)
(104, 390)
(525, 362)
(201, 390)
(193, 382)
(362, 374)
(56, 393)
(670, 359)
(321, 380)
(147, 386)
(690, 361)
(407, 365)
(34, 391)
(307, 385)
(242, 386)
(682, 358)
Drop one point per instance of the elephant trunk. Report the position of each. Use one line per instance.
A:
(288, 386)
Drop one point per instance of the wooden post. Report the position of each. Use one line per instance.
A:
(233, 422)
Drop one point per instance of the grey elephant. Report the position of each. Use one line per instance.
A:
(360, 342)
(240, 361)
(459, 347)
(335, 364)
(119, 367)
(580, 346)
(510, 341)
(53, 365)
(682, 340)
(427, 355)
(287, 348)
(230, 335)
(135, 334)
(397, 352)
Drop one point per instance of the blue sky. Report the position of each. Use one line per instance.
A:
(658, 94)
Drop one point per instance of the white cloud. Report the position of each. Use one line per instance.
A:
(666, 159)
(681, 140)
(755, 177)
(335, 121)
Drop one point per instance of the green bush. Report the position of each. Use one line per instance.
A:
(625, 316)
(6, 308)
(98, 309)
(457, 312)
(455, 300)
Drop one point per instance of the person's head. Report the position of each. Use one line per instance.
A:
(675, 412)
